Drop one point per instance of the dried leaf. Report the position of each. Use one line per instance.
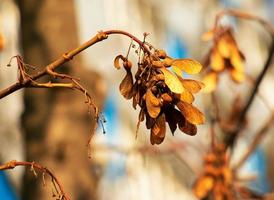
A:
(217, 62)
(203, 186)
(228, 175)
(186, 96)
(192, 86)
(153, 104)
(172, 118)
(159, 77)
(161, 54)
(117, 60)
(177, 71)
(159, 128)
(237, 76)
(166, 98)
(172, 81)
(210, 81)
(187, 128)
(188, 65)
(168, 61)
(158, 131)
(191, 113)
(157, 64)
(155, 139)
(149, 121)
(224, 46)
(126, 86)
(127, 64)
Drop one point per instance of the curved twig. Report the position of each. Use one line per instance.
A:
(257, 139)
(56, 183)
(231, 136)
(67, 57)
(244, 15)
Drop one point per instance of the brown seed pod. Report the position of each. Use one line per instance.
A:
(157, 64)
(161, 54)
(126, 86)
(153, 104)
(157, 90)
(127, 64)
(191, 113)
(187, 128)
(158, 130)
(166, 98)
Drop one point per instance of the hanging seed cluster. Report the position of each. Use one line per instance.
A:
(162, 95)
(223, 56)
(217, 178)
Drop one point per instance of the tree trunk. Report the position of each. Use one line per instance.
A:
(55, 121)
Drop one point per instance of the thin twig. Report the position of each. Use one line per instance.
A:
(49, 69)
(260, 95)
(231, 136)
(244, 15)
(257, 139)
(12, 164)
(25, 80)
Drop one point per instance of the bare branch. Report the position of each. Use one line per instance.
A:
(257, 139)
(56, 183)
(231, 136)
(244, 15)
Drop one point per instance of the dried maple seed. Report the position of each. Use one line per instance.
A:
(126, 86)
(157, 64)
(160, 77)
(168, 61)
(153, 104)
(158, 130)
(224, 56)
(192, 85)
(191, 113)
(188, 128)
(127, 64)
(203, 186)
(166, 98)
(216, 181)
(157, 90)
(161, 54)
(187, 65)
(172, 82)
(117, 60)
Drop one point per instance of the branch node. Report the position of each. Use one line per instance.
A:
(33, 170)
(67, 57)
(101, 35)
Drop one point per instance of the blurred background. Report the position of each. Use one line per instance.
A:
(52, 127)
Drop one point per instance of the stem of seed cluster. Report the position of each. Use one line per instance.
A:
(257, 139)
(231, 136)
(12, 164)
(244, 15)
(69, 56)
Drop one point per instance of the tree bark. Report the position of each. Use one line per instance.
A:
(56, 123)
